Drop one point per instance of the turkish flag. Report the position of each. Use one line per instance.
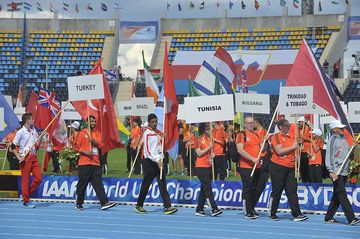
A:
(103, 111)
(32, 104)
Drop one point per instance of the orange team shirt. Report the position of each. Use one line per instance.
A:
(251, 146)
(192, 139)
(349, 138)
(73, 141)
(287, 160)
(83, 143)
(307, 134)
(10, 138)
(219, 134)
(136, 135)
(318, 159)
(204, 161)
(261, 133)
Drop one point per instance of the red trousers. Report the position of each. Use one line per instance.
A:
(29, 166)
(46, 161)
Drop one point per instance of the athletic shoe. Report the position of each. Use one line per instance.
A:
(170, 210)
(108, 205)
(355, 221)
(250, 216)
(29, 205)
(274, 218)
(200, 213)
(300, 218)
(215, 212)
(255, 214)
(331, 221)
(79, 207)
(140, 209)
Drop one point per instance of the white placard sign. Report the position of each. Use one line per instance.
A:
(142, 106)
(296, 99)
(124, 107)
(325, 117)
(19, 111)
(252, 103)
(89, 87)
(181, 112)
(69, 112)
(209, 108)
(354, 112)
(2, 120)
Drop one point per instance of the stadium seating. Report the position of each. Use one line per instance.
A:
(249, 39)
(352, 94)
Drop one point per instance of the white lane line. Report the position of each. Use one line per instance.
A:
(44, 235)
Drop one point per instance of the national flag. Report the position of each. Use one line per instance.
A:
(19, 98)
(110, 74)
(347, 2)
(89, 7)
(257, 5)
(103, 111)
(32, 104)
(104, 7)
(192, 5)
(123, 131)
(171, 109)
(0, 7)
(217, 88)
(179, 7)
(117, 6)
(296, 3)
(65, 6)
(217, 4)
(59, 137)
(307, 71)
(243, 6)
(27, 6)
(38, 6)
(231, 4)
(14, 6)
(268, 4)
(319, 7)
(51, 7)
(152, 89)
(282, 3)
(202, 5)
(76, 8)
(10, 119)
(47, 109)
(334, 2)
(205, 79)
(168, 6)
(192, 90)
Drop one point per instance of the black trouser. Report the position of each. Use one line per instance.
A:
(104, 163)
(283, 178)
(128, 155)
(220, 165)
(304, 170)
(186, 158)
(205, 175)
(340, 198)
(55, 160)
(137, 167)
(90, 173)
(315, 173)
(252, 187)
(13, 161)
(151, 171)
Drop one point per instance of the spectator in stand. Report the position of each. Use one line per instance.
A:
(315, 158)
(336, 68)
(326, 66)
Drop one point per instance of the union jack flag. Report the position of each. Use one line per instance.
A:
(47, 100)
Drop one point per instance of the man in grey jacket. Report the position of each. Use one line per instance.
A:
(336, 152)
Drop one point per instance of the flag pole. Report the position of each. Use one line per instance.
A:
(133, 166)
(347, 156)
(44, 131)
(6, 153)
(212, 152)
(88, 121)
(163, 137)
(263, 143)
(299, 153)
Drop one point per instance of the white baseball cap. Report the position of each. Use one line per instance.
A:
(301, 119)
(75, 125)
(145, 124)
(336, 124)
(318, 132)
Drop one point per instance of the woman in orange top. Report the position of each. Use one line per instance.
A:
(282, 172)
(189, 142)
(203, 171)
(304, 135)
(315, 158)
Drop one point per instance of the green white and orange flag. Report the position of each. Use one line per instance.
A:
(152, 89)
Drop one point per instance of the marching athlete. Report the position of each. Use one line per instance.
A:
(24, 148)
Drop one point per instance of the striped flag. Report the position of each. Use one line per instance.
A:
(151, 86)
(38, 6)
(27, 6)
(89, 7)
(65, 6)
(51, 7)
(104, 7)
(110, 74)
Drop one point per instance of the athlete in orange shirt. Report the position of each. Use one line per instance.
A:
(220, 138)
(315, 158)
(304, 135)
(89, 145)
(135, 139)
(203, 171)
(282, 172)
(189, 142)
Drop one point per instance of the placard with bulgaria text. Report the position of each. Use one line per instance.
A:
(252, 103)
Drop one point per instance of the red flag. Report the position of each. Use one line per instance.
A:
(170, 121)
(32, 104)
(103, 110)
(47, 109)
(306, 71)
